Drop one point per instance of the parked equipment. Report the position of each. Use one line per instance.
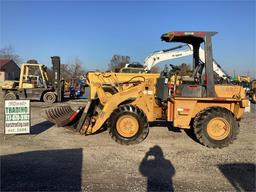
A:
(127, 102)
(252, 93)
(77, 88)
(168, 54)
(133, 68)
(34, 83)
(248, 84)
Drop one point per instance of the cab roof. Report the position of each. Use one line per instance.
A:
(190, 37)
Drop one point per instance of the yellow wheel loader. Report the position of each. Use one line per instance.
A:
(126, 102)
(34, 83)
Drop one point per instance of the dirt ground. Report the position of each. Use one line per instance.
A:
(58, 159)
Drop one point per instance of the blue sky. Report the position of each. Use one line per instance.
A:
(95, 30)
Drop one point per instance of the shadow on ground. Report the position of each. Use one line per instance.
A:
(53, 170)
(158, 170)
(240, 175)
(40, 127)
(169, 125)
(190, 133)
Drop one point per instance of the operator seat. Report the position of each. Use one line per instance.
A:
(192, 86)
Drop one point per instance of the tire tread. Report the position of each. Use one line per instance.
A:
(143, 121)
(200, 120)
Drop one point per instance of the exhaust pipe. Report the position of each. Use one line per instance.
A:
(57, 82)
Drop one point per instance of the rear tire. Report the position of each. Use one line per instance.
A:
(216, 127)
(128, 125)
(49, 97)
(10, 96)
(253, 98)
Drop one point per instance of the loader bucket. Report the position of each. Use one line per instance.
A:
(63, 115)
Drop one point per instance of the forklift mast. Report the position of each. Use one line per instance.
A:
(57, 84)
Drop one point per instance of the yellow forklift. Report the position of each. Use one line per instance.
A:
(34, 83)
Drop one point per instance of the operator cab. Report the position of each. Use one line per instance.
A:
(201, 84)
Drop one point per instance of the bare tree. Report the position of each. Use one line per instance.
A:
(65, 72)
(9, 53)
(185, 69)
(117, 62)
(155, 69)
(73, 70)
(32, 61)
(76, 69)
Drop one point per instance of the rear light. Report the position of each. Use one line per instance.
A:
(183, 111)
(186, 110)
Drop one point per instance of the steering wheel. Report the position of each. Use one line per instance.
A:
(174, 67)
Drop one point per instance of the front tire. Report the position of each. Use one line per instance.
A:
(10, 96)
(128, 125)
(215, 127)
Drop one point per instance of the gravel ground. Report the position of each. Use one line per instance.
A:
(58, 159)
